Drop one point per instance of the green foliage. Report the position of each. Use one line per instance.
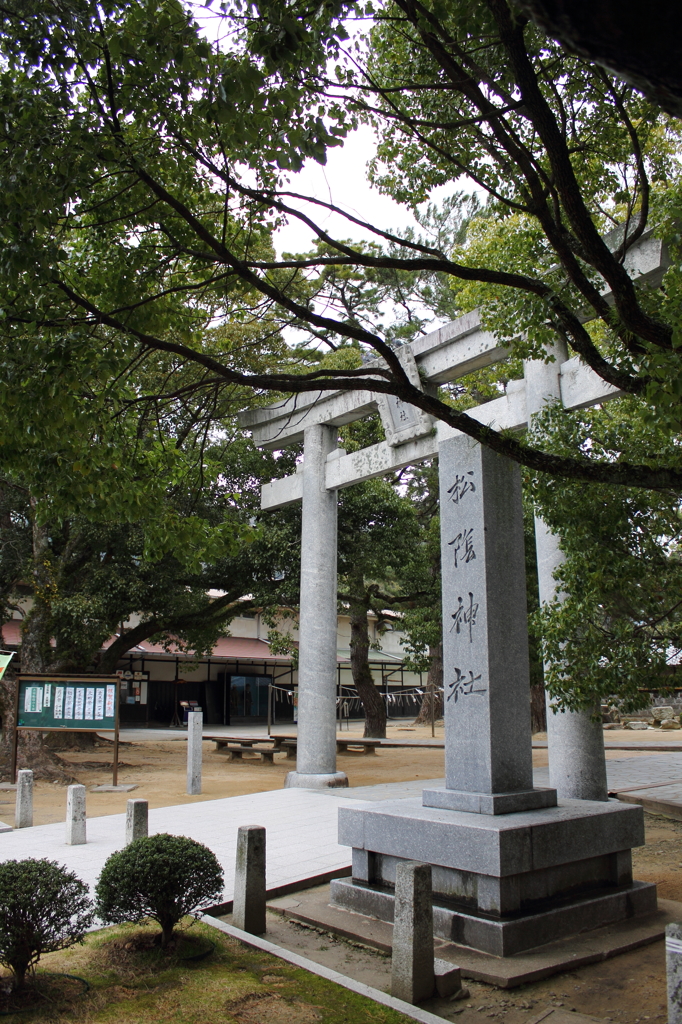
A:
(43, 908)
(617, 628)
(420, 572)
(163, 877)
(143, 170)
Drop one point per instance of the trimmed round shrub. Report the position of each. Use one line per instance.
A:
(43, 907)
(163, 877)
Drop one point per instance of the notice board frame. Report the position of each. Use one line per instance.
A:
(61, 679)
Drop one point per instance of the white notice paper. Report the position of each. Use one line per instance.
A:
(80, 700)
(111, 702)
(99, 704)
(47, 695)
(58, 701)
(33, 699)
(68, 706)
(89, 704)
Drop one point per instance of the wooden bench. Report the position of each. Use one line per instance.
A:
(350, 746)
(236, 752)
(248, 741)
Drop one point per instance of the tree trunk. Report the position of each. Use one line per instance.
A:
(19, 970)
(36, 630)
(36, 656)
(372, 701)
(538, 709)
(31, 749)
(71, 739)
(166, 933)
(434, 688)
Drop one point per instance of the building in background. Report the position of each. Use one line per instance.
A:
(235, 683)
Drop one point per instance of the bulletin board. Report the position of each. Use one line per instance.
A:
(50, 703)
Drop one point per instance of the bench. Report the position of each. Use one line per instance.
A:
(350, 746)
(346, 746)
(236, 753)
(247, 741)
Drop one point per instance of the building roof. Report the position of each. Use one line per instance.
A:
(228, 648)
(232, 648)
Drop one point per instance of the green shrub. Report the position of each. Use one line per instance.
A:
(163, 877)
(43, 907)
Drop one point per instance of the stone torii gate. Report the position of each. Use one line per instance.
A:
(576, 749)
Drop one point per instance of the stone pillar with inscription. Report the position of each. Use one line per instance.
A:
(316, 742)
(488, 760)
(511, 869)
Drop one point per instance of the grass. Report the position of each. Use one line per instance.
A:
(133, 982)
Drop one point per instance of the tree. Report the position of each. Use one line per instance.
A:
(43, 908)
(377, 530)
(615, 631)
(422, 619)
(163, 877)
(143, 168)
(113, 512)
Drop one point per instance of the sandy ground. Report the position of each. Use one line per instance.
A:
(158, 769)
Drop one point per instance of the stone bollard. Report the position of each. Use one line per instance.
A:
(137, 820)
(195, 722)
(23, 814)
(248, 908)
(412, 967)
(673, 969)
(75, 815)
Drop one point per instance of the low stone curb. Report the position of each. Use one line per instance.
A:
(324, 972)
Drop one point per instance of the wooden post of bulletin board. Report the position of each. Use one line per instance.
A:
(54, 703)
(114, 777)
(13, 774)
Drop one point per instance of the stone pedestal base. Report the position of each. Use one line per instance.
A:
(501, 883)
(300, 780)
(489, 803)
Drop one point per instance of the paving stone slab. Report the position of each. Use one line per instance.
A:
(122, 788)
(661, 799)
(312, 908)
(301, 826)
(556, 1016)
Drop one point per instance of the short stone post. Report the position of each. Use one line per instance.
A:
(412, 964)
(195, 723)
(75, 816)
(248, 907)
(23, 814)
(137, 820)
(673, 969)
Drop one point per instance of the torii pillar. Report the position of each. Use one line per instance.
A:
(575, 742)
(316, 746)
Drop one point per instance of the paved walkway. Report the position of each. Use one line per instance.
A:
(301, 824)
(301, 836)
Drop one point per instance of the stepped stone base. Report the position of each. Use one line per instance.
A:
(502, 883)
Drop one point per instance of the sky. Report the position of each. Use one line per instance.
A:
(343, 181)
